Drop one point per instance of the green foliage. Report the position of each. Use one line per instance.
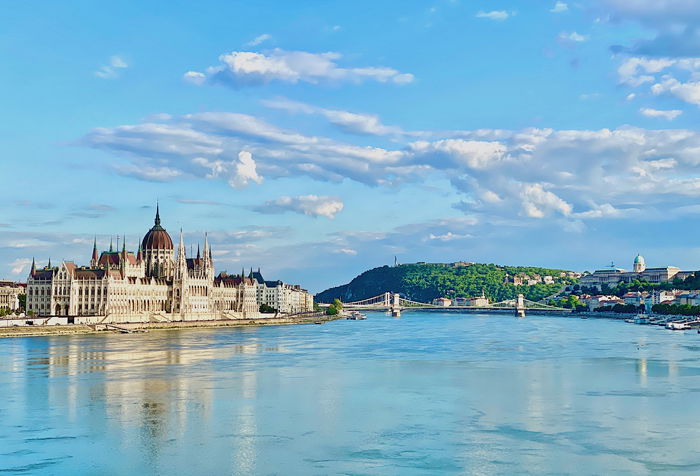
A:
(621, 308)
(22, 301)
(680, 309)
(332, 310)
(425, 282)
(265, 309)
(4, 311)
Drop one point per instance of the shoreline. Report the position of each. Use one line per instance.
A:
(82, 329)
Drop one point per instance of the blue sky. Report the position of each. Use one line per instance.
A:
(317, 139)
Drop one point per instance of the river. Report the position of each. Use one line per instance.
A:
(428, 393)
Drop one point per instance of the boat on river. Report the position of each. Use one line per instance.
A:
(356, 316)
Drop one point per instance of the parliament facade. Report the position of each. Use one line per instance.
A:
(155, 284)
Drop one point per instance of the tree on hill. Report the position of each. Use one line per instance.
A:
(425, 282)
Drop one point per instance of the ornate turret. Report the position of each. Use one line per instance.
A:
(639, 264)
(33, 270)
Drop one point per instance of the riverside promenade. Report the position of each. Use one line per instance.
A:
(73, 329)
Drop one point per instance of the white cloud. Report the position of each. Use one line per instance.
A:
(688, 92)
(507, 175)
(351, 122)
(573, 37)
(111, 70)
(245, 171)
(496, 15)
(449, 236)
(602, 211)
(195, 77)
(636, 71)
(245, 68)
(559, 7)
(259, 39)
(148, 173)
(19, 265)
(346, 251)
(631, 96)
(538, 202)
(656, 113)
(448, 153)
(311, 205)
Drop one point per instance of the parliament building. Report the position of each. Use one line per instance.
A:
(155, 284)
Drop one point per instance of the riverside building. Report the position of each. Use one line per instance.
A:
(9, 295)
(154, 284)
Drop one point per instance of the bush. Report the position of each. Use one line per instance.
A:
(265, 309)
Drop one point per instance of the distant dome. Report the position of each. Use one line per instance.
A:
(639, 259)
(157, 238)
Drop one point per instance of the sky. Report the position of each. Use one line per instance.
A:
(318, 139)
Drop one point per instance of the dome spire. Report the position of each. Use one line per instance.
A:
(157, 220)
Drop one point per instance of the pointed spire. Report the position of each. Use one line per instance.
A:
(33, 270)
(111, 247)
(157, 220)
(199, 255)
(181, 250)
(49, 262)
(124, 245)
(94, 252)
(207, 252)
(139, 255)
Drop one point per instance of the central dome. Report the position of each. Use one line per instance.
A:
(157, 238)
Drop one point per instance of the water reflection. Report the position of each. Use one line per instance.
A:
(424, 394)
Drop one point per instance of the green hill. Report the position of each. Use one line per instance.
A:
(424, 282)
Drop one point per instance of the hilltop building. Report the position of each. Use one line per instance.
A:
(612, 276)
(153, 284)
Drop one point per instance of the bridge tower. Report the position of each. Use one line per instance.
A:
(396, 305)
(520, 306)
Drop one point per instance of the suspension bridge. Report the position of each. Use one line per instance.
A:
(394, 303)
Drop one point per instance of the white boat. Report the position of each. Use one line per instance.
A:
(356, 316)
(677, 326)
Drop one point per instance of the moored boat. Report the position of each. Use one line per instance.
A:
(356, 316)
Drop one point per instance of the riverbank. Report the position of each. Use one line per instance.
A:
(73, 329)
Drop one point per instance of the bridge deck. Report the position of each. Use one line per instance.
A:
(452, 308)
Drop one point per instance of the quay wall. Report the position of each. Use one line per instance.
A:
(54, 326)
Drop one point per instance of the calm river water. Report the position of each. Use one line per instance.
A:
(424, 394)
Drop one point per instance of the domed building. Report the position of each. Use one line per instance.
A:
(155, 284)
(612, 275)
(158, 250)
